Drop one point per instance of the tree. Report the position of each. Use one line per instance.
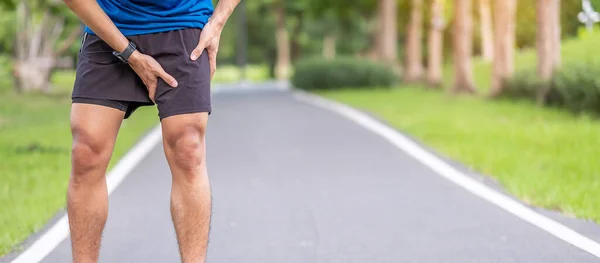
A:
(387, 37)
(462, 47)
(330, 21)
(330, 41)
(39, 27)
(547, 48)
(504, 44)
(327, 24)
(282, 66)
(556, 26)
(487, 37)
(414, 63)
(436, 43)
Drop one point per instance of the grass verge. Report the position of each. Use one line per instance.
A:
(231, 73)
(544, 156)
(35, 144)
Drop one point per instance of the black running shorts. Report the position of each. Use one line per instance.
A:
(103, 80)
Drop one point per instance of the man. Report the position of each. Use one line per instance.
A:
(136, 53)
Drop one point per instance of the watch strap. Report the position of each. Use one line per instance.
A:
(128, 50)
(124, 56)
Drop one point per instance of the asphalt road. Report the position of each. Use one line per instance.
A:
(293, 183)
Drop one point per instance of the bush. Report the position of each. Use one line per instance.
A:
(524, 84)
(318, 73)
(578, 87)
(575, 87)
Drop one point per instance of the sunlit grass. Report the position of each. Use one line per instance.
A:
(231, 73)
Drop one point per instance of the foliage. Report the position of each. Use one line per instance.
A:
(5, 69)
(578, 88)
(55, 8)
(575, 86)
(353, 23)
(526, 17)
(524, 85)
(7, 29)
(345, 72)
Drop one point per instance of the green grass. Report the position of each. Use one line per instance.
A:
(35, 143)
(230, 73)
(544, 156)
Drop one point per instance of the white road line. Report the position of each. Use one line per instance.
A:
(60, 231)
(447, 171)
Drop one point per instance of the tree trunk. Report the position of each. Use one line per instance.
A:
(548, 43)
(487, 37)
(388, 33)
(556, 46)
(463, 47)
(436, 45)
(504, 44)
(414, 60)
(35, 54)
(282, 66)
(329, 46)
(34, 75)
(545, 36)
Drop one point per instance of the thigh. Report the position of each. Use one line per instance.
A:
(172, 50)
(190, 126)
(95, 125)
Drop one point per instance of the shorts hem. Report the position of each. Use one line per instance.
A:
(100, 102)
(187, 111)
(123, 105)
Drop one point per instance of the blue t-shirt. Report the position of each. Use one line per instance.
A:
(138, 17)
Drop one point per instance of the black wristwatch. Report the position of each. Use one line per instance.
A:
(124, 56)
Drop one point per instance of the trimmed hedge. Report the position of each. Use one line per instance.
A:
(524, 84)
(322, 74)
(578, 88)
(574, 87)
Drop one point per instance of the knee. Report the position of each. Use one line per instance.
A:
(88, 155)
(186, 148)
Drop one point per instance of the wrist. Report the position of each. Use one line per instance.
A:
(218, 22)
(135, 57)
(126, 54)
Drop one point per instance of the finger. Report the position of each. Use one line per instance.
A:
(151, 94)
(198, 50)
(152, 90)
(213, 62)
(167, 78)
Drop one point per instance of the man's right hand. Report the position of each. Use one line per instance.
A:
(148, 69)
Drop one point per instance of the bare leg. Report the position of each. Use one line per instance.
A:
(94, 130)
(184, 144)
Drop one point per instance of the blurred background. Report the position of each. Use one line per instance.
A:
(509, 88)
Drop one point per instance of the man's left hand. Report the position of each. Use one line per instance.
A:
(209, 40)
